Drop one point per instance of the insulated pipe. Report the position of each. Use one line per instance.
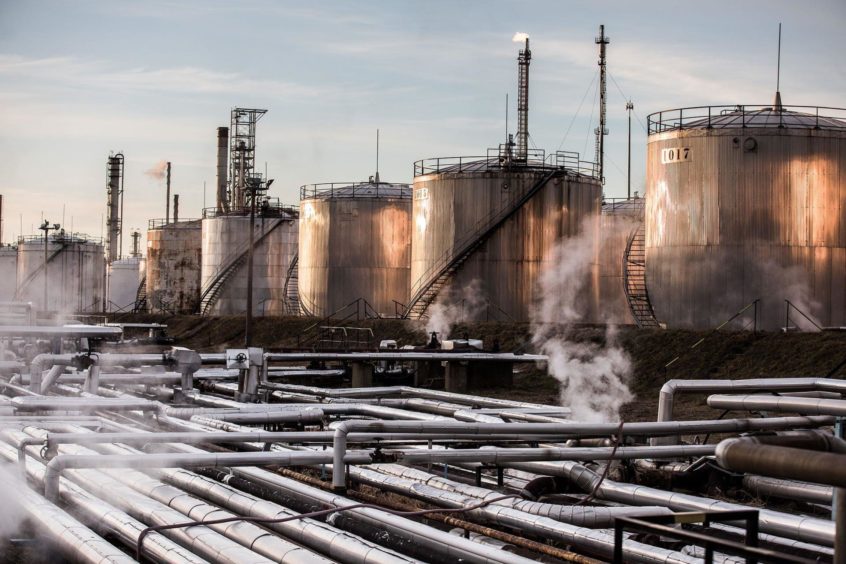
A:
(790, 404)
(764, 486)
(50, 403)
(818, 466)
(670, 388)
(210, 459)
(107, 518)
(75, 540)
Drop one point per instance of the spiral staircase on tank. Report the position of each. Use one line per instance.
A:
(634, 279)
(210, 292)
(291, 292)
(141, 296)
(441, 273)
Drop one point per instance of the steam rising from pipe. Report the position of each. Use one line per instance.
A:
(454, 306)
(158, 171)
(520, 37)
(12, 513)
(593, 376)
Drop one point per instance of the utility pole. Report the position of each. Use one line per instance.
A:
(601, 131)
(629, 108)
(248, 329)
(46, 227)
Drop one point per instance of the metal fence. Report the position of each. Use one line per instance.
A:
(355, 190)
(502, 158)
(752, 116)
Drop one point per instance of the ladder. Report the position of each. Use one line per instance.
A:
(292, 293)
(444, 269)
(634, 279)
(141, 296)
(211, 291)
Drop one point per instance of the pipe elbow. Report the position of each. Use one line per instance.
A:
(52, 474)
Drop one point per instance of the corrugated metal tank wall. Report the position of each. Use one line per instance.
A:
(225, 238)
(76, 274)
(124, 275)
(173, 267)
(8, 273)
(618, 222)
(450, 206)
(355, 246)
(753, 213)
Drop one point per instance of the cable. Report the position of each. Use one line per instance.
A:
(627, 99)
(572, 121)
(618, 439)
(590, 121)
(313, 514)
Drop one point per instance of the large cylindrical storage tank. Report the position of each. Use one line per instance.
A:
(173, 266)
(354, 244)
(743, 204)
(620, 218)
(225, 244)
(76, 272)
(455, 200)
(8, 272)
(124, 276)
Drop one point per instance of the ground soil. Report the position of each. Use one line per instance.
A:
(717, 354)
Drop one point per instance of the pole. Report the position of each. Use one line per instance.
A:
(630, 107)
(167, 197)
(248, 329)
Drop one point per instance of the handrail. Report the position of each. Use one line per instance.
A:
(754, 304)
(500, 158)
(159, 223)
(789, 305)
(273, 208)
(286, 291)
(825, 117)
(365, 189)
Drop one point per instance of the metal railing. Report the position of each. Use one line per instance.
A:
(162, 222)
(790, 305)
(636, 205)
(707, 117)
(60, 237)
(500, 158)
(268, 207)
(355, 190)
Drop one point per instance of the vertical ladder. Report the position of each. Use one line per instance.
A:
(634, 279)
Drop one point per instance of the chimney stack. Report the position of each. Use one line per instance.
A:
(222, 158)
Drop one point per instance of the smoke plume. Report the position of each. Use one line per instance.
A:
(593, 376)
(454, 306)
(520, 37)
(158, 171)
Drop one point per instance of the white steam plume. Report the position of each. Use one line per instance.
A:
(158, 171)
(520, 37)
(593, 377)
(453, 307)
(12, 513)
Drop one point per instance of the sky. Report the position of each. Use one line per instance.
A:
(155, 78)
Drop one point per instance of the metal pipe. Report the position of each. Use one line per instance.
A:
(86, 404)
(790, 404)
(498, 456)
(229, 459)
(764, 486)
(222, 149)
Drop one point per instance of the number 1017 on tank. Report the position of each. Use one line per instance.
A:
(675, 155)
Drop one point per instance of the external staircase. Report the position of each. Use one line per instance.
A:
(634, 279)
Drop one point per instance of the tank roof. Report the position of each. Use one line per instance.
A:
(739, 116)
(368, 189)
(501, 160)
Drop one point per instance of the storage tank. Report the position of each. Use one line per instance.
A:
(124, 276)
(621, 218)
(173, 266)
(746, 203)
(508, 213)
(225, 241)
(76, 272)
(8, 272)
(354, 243)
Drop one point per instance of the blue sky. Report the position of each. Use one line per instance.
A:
(153, 79)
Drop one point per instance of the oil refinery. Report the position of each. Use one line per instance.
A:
(492, 360)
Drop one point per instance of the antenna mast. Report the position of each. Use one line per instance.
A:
(523, 62)
(601, 131)
(777, 102)
(377, 156)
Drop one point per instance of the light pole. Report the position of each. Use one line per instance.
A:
(253, 187)
(46, 228)
(629, 108)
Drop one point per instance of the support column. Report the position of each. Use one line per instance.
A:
(362, 375)
(455, 379)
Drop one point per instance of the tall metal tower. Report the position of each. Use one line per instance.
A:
(242, 153)
(601, 131)
(114, 207)
(524, 59)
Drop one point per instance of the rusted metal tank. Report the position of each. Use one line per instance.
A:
(173, 266)
(76, 272)
(354, 243)
(225, 244)
(746, 203)
(457, 201)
